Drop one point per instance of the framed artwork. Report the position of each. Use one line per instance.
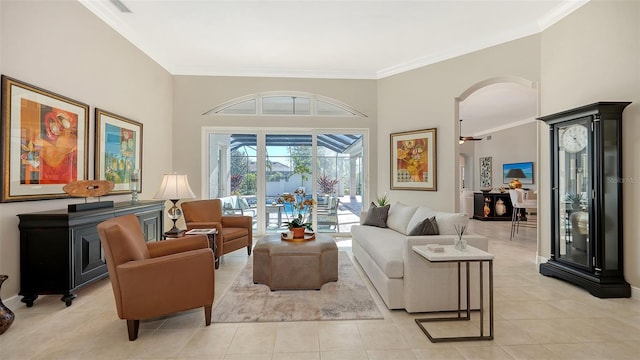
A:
(485, 172)
(413, 160)
(44, 142)
(118, 151)
(523, 171)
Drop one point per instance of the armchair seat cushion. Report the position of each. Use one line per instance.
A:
(232, 233)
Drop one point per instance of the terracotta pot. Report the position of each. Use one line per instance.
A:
(298, 233)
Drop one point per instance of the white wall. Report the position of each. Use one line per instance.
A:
(594, 55)
(62, 47)
(516, 144)
(425, 98)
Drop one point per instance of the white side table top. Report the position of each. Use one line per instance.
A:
(450, 253)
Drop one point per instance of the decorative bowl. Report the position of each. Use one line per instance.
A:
(486, 189)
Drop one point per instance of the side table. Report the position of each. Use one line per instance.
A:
(211, 235)
(466, 256)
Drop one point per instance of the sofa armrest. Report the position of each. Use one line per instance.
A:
(363, 216)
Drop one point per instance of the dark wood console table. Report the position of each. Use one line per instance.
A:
(479, 200)
(60, 251)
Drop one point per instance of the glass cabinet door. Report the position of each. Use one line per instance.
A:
(574, 192)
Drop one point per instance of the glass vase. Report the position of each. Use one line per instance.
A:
(461, 243)
(134, 185)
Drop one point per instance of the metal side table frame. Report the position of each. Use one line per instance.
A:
(467, 256)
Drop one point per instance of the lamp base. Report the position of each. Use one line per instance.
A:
(174, 232)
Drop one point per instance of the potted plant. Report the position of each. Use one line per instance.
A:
(327, 185)
(574, 199)
(301, 211)
(382, 200)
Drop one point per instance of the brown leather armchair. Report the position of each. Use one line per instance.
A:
(234, 231)
(156, 278)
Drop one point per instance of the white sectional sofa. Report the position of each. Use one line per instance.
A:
(404, 279)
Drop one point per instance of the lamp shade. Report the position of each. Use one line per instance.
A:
(174, 187)
(516, 173)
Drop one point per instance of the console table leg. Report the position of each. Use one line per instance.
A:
(68, 298)
(29, 299)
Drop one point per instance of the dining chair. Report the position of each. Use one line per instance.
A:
(520, 207)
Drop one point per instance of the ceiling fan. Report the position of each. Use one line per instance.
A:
(466, 138)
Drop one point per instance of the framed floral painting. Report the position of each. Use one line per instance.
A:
(413, 160)
(118, 151)
(44, 142)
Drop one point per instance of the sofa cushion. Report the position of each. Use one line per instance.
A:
(428, 226)
(384, 246)
(446, 221)
(399, 217)
(421, 213)
(377, 216)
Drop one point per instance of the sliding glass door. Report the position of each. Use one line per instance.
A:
(251, 170)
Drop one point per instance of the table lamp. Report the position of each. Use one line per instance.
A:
(515, 174)
(174, 187)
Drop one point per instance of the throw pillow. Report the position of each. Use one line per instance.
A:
(428, 226)
(399, 216)
(422, 213)
(377, 215)
(446, 222)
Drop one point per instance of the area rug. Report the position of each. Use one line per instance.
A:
(346, 299)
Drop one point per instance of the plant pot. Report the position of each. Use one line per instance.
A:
(298, 233)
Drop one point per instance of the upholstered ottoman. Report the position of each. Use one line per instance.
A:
(289, 265)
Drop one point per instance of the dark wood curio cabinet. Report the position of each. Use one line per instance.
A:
(586, 198)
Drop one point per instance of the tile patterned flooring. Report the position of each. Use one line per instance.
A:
(536, 317)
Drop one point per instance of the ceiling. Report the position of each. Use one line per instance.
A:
(355, 39)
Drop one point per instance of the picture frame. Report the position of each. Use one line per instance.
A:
(526, 167)
(413, 160)
(44, 139)
(485, 172)
(118, 151)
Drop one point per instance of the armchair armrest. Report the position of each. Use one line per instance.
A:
(173, 246)
(237, 221)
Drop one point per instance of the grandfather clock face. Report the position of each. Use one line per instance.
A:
(574, 138)
(573, 145)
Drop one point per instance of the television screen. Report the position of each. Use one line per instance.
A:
(527, 170)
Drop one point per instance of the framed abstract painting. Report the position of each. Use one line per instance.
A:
(118, 151)
(44, 142)
(413, 160)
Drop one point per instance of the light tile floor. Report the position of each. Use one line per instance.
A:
(536, 317)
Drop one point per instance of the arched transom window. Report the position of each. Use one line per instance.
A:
(285, 103)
